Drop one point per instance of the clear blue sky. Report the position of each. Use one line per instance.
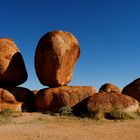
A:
(108, 32)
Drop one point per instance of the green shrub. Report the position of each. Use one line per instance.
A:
(65, 110)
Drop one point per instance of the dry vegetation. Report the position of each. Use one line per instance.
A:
(38, 126)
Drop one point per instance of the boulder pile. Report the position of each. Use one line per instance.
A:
(56, 54)
(55, 57)
(12, 74)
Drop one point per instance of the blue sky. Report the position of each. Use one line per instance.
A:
(108, 32)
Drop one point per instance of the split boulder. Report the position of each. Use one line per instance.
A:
(12, 67)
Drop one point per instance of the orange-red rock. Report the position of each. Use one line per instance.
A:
(55, 57)
(8, 101)
(16, 107)
(133, 89)
(109, 88)
(25, 96)
(12, 67)
(53, 99)
(107, 102)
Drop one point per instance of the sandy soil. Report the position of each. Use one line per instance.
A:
(37, 126)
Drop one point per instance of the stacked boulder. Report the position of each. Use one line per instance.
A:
(55, 57)
(12, 74)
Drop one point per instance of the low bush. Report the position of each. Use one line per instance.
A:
(65, 110)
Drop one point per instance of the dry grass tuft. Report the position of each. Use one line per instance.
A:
(5, 116)
(119, 113)
(97, 114)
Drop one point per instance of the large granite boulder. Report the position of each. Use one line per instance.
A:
(12, 67)
(107, 102)
(109, 88)
(52, 99)
(133, 89)
(8, 101)
(55, 57)
(25, 96)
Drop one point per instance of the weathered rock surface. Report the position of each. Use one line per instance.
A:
(12, 67)
(53, 99)
(133, 89)
(107, 102)
(8, 101)
(109, 88)
(55, 57)
(25, 96)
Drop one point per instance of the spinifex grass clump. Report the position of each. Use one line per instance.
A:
(97, 114)
(5, 116)
(6, 113)
(138, 111)
(119, 113)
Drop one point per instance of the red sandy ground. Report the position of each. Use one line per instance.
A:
(37, 126)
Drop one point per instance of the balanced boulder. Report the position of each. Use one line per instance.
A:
(8, 101)
(107, 102)
(133, 89)
(109, 88)
(12, 67)
(55, 57)
(52, 99)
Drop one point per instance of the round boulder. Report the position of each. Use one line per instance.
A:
(52, 99)
(8, 101)
(25, 96)
(12, 67)
(109, 88)
(55, 57)
(133, 89)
